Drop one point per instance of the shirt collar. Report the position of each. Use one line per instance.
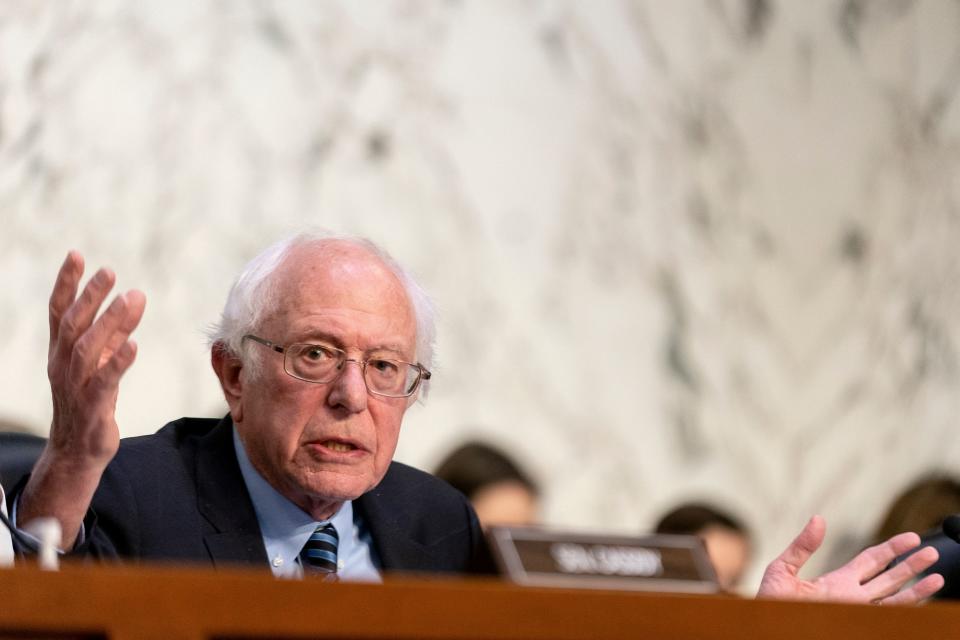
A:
(285, 527)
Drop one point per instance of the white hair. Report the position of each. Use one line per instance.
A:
(253, 296)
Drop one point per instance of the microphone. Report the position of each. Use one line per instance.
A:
(47, 531)
(951, 527)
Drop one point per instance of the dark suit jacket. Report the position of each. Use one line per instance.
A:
(178, 495)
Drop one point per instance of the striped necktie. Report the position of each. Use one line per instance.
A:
(319, 555)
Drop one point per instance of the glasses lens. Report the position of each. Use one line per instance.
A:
(312, 362)
(391, 377)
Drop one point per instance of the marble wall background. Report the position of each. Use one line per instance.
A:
(696, 249)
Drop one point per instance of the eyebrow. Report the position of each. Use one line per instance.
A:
(315, 335)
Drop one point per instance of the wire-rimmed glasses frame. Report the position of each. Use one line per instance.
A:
(323, 364)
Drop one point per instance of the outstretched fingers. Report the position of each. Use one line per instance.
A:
(890, 581)
(88, 356)
(105, 382)
(106, 336)
(64, 293)
(74, 324)
(863, 579)
(918, 592)
(870, 562)
(803, 546)
(135, 303)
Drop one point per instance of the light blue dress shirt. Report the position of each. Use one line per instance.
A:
(286, 527)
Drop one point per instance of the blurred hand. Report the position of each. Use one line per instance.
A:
(864, 579)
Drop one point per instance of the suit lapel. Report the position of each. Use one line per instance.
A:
(223, 500)
(391, 539)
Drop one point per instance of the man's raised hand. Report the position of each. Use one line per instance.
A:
(87, 356)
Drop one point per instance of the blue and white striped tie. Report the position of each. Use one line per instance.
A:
(319, 555)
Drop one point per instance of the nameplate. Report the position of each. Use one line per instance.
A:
(665, 563)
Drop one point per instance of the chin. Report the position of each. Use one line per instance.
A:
(327, 485)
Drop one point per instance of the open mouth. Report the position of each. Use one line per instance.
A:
(340, 447)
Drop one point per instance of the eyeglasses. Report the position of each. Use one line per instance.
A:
(321, 364)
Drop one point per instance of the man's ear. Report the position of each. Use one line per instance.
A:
(228, 367)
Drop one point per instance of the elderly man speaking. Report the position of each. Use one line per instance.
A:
(323, 345)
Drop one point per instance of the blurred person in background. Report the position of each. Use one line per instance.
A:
(921, 507)
(500, 491)
(726, 539)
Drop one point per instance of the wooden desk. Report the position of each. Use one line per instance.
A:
(140, 602)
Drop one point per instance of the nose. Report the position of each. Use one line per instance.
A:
(349, 390)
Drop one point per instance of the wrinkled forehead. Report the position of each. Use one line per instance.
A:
(342, 283)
